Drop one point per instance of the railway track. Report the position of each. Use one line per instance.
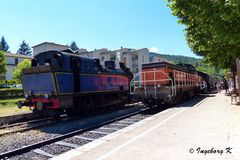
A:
(55, 141)
(12, 119)
(28, 125)
(34, 124)
(92, 130)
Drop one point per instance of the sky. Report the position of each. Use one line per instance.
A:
(94, 24)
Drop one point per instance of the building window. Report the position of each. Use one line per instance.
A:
(151, 59)
(16, 61)
(134, 57)
(102, 58)
(137, 70)
(125, 60)
(112, 57)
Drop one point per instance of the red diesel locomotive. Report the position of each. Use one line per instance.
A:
(162, 82)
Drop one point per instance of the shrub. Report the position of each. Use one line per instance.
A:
(9, 83)
(11, 102)
(17, 72)
(9, 93)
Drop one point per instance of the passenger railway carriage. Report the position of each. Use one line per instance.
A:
(63, 81)
(162, 82)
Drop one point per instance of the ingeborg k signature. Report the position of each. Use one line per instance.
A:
(199, 150)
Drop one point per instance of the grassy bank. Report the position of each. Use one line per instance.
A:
(9, 106)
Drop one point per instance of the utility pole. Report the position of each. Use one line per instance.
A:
(238, 75)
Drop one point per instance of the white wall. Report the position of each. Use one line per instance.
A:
(9, 73)
(11, 64)
(137, 58)
(47, 47)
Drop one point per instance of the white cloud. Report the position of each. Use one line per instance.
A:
(154, 49)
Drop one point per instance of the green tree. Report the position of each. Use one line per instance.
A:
(212, 28)
(3, 44)
(74, 46)
(17, 72)
(2, 63)
(24, 48)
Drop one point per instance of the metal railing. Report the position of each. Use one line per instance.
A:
(138, 81)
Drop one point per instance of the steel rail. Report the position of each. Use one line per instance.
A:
(28, 148)
(26, 122)
(28, 128)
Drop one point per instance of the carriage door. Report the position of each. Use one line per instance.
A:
(76, 67)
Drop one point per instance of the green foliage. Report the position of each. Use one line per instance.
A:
(9, 107)
(74, 46)
(17, 72)
(11, 102)
(200, 64)
(182, 59)
(209, 70)
(224, 71)
(24, 48)
(212, 28)
(3, 45)
(10, 82)
(2, 63)
(9, 93)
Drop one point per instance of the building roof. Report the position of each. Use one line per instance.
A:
(136, 50)
(122, 50)
(99, 50)
(155, 54)
(49, 43)
(8, 54)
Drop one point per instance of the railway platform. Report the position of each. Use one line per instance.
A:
(207, 128)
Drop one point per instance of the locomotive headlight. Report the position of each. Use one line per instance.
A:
(46, 96)
(26, 96)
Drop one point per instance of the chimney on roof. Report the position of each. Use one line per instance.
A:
(121, 47)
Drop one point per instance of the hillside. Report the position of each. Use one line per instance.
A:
(197, 62)
(183, 59)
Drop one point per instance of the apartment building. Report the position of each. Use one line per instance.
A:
(133, 58)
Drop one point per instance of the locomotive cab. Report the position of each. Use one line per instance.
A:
(40, 82)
